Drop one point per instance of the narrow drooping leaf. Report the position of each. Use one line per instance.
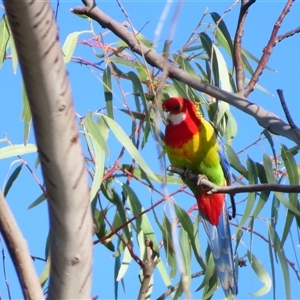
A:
(142, 223)
(39, 200)
(261, 273)
(95, 139)
(252, 177)
(222, 70)
(45, 273)
(235, 161)
(12, 179)
(267, 134)
(189, 228)
(127, 143)
(282, 259)
(124, 264)
(15, 150)
(293, 175)
(26, 115)
(108, 95)
(224, 31)
(70, 45)
(169, 248)
(4, 38)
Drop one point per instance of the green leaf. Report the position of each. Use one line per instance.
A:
(268, 136)
(224, 32)
(108, 95)
(45, 273)
(11, 179)
(291, 167)
(166, 230)
(99, 147)
(124, 265)
(70, 44)
(186, 258)
(210, 268)
(252, 173)
(142, 70)
(185, 65)
(142, 222)
(14, 54)
(282, 259)
(231, 129)
(269, 169)
(94, 131)
(222, 70)
(209, 48)
(188, 227)
(235, 161)
(144, 40)
(4, 38)
(122, 61)
(261, 273)
(138, 86)
(127, 143)
(116, 271)
(39, 200)
(26, 114)
(170, 254)
(15, 150)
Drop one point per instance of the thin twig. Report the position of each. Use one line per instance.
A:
(4, 270)
(264, 118)
(268, 49)
(287, 34)
(292, 265)
(237, 45)
(285, 109)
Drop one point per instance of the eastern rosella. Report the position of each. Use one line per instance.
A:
(192, 143)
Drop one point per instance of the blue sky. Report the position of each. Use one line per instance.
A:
(88, 96)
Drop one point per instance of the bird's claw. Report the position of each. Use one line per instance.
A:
(200, 178)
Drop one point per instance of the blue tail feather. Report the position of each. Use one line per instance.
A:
(219, 239)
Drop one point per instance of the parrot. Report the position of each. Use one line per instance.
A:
(192, 143)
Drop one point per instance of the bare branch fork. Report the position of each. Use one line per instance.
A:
(269, 48)
(265, 118)
(199, 179)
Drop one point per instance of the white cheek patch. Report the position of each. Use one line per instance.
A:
(176, 119)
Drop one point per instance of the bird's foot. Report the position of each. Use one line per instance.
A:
(208, 189)
(200, 178)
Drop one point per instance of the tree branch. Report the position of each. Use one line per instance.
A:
(287, 34)
(265, 118)
(237, 45)
(232, 190)
(268, 49)
(49, 94)
(285, 109)
(19, 253)
(148, 269)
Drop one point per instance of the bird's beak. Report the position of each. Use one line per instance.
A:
(166, 115)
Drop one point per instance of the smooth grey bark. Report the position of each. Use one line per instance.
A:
(41, 59)
(17, 246)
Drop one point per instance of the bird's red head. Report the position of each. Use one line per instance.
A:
(174, 105)
(179, 109)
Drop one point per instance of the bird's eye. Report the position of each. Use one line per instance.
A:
(177, 107)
